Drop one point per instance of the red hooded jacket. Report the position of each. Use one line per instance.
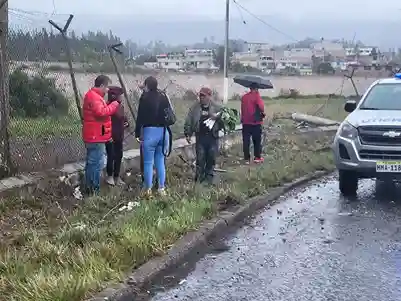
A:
(252, 108)
(97, 117)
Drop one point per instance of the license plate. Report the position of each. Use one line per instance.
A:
(388, 166)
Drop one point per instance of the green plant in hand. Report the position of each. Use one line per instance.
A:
(230, 118)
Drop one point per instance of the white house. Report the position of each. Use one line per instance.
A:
(199, 59)
(171, 61)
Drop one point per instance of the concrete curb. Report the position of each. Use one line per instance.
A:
(149, 271)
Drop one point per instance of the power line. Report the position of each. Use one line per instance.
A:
(264, 22)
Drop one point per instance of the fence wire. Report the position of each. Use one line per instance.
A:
(44, 126)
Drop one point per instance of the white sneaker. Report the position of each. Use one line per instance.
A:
(110, 181)
(119, 182)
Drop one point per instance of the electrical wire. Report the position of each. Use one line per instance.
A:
(240, 6)
(340, 88)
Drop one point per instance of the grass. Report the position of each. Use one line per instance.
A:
(70, 126)
(56, 248)
(66, 126)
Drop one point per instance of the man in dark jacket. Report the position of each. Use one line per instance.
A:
(207, 137)
(114, 148)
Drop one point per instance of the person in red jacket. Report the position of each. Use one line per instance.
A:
(252, 115)
(96, 130)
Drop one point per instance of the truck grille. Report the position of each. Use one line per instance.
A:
(369, 154)
(373, 135)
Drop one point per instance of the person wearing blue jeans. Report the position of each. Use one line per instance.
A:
(96, 130)
(155, 142)
(152, 129)
(94, 165)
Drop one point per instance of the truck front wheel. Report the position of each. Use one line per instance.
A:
(348, 182)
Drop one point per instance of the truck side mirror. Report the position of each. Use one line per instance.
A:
(350, 106)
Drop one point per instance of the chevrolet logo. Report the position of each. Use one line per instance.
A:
(391, 134)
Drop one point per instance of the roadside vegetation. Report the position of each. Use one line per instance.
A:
(54, 246)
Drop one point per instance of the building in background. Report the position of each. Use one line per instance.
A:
(257, 47)
(302, 60)
(190, 59)
(288, 60)
(199, 59)
(171, 61)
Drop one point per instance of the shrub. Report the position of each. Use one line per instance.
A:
(190, 95)
(289, 93)
(215, 96)
(35, 96)
(236, 96)
(57, 68)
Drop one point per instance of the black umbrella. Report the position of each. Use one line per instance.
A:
(249, 80)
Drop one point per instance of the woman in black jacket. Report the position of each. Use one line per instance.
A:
(155, 135)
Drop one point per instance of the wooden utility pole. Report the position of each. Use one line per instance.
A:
(5, 157)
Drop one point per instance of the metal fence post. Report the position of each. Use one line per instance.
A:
(115, 48)
(63, 32)
(6, 168)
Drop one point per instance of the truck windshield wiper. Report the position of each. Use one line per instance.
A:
(367, 108)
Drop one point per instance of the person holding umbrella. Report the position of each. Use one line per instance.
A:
(252, 115)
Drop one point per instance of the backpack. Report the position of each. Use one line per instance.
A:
(169, 120)
(169, 114)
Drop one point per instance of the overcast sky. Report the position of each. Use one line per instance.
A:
(215, 8)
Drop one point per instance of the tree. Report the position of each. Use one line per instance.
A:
(325, 68)
(42, 45)
(374, 54)
(316, 61)
(219, 57)
(143, 58)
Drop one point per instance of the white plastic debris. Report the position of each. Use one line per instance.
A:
(129, 207)
(62, 178)
(77, 193)
(79, 226)
(209, 123)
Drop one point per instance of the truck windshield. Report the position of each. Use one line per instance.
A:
(383, 97)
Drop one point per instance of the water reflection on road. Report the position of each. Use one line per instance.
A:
(313, 245)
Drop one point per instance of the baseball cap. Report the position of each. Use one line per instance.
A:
(205, 91)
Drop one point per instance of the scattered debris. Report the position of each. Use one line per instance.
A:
(130, 206)
(77, 193)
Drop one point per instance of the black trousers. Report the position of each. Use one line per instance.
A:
(114, 152)
(255, 132)
(207, 149)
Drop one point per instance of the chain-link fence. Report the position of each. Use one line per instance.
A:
(44, 124)
(45, 127)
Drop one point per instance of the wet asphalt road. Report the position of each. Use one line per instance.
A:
(313, 245)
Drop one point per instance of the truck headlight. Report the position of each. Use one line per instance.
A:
(348, 131)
